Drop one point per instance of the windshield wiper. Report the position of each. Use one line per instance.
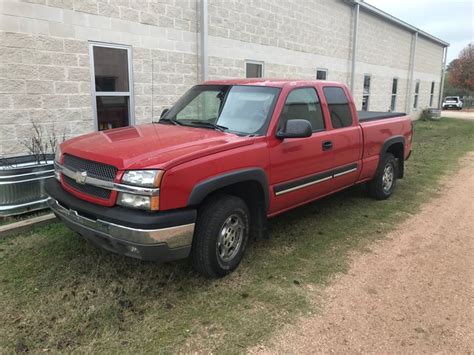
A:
(171, 120)
(209, 125)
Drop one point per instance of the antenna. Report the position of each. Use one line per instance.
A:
(152, 86)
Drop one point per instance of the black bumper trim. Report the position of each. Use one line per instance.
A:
(120, 215)
(154, 252)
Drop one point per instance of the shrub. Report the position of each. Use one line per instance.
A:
(41, 144)
(425, 114)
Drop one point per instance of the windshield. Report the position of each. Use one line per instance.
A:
(455, 99)
(237, 109)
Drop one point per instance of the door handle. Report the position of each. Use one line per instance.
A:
(327, 145)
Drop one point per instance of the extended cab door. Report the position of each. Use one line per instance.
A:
(301, 167)
(346, 135)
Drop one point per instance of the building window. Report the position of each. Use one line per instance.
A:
(253, 69)
(417, 92)
(338, 106)
(432, 93)
(112, 86)
(393, 102)
(303, 104)
(366, 93)
(321, 74)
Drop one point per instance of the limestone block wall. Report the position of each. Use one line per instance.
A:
(45, 65)
(319, 27)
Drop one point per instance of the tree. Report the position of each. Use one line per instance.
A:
(461, 70)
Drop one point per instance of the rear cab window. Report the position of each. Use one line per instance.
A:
(338, 106)
(303, 104)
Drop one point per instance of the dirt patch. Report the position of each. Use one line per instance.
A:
(412, 292)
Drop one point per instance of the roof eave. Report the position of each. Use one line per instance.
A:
(376, 11)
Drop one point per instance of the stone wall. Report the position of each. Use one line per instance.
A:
(301, 26)
(44, 79)
(266, 31)
(45, 67)
(382, 43)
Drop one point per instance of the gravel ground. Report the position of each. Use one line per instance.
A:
(411, 293)
(467, 115)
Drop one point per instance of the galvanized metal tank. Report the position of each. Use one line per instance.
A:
(22, 184)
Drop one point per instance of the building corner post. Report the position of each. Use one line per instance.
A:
(443, 74)
(411, 75)
(354, 45)
(204, 27)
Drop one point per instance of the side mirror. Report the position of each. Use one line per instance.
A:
(164, 112)
(295, 129)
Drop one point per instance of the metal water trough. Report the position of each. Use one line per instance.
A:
(22, 184)
(435, 114)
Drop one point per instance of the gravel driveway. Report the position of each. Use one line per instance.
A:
(466, 115)
(411, 293)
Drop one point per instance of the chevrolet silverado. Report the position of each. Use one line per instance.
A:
(204, 179)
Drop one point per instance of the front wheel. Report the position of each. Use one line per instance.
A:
(221, 236)
(383, 184)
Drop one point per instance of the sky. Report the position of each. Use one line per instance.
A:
(449, 20)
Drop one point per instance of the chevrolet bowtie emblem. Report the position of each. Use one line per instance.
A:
(81, 177)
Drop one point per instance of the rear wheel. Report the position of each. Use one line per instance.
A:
(221, 236)
(383, 184)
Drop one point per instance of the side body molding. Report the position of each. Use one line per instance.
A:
(205, 187)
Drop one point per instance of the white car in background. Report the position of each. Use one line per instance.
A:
(452, 102)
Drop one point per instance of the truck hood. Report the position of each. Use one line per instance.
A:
(151, 145)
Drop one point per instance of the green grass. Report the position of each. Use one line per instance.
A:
(59, 293)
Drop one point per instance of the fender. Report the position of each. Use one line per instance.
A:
(205, 187)
(389, 142)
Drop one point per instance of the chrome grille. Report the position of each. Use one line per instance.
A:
(93, 168)
(88, 189)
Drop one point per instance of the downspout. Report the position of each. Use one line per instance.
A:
(412, 71)
(354, 45)
(443, 73)
(204, 26)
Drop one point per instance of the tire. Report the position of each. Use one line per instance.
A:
(383, 184)
(221, 236)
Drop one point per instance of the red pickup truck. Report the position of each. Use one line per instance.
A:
(228, 155)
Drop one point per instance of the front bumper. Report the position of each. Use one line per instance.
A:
(159, 236)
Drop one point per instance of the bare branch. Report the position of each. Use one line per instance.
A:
(41, 144)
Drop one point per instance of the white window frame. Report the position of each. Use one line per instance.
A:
(416, 95)
(368, 94)
(322, 70)
(432, 90)
(129, 93)
(249, 61)
(394, 94)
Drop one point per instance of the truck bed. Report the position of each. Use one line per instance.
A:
(365, 116)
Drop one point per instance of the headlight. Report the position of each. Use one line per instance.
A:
(149, 203)
(144, 178)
